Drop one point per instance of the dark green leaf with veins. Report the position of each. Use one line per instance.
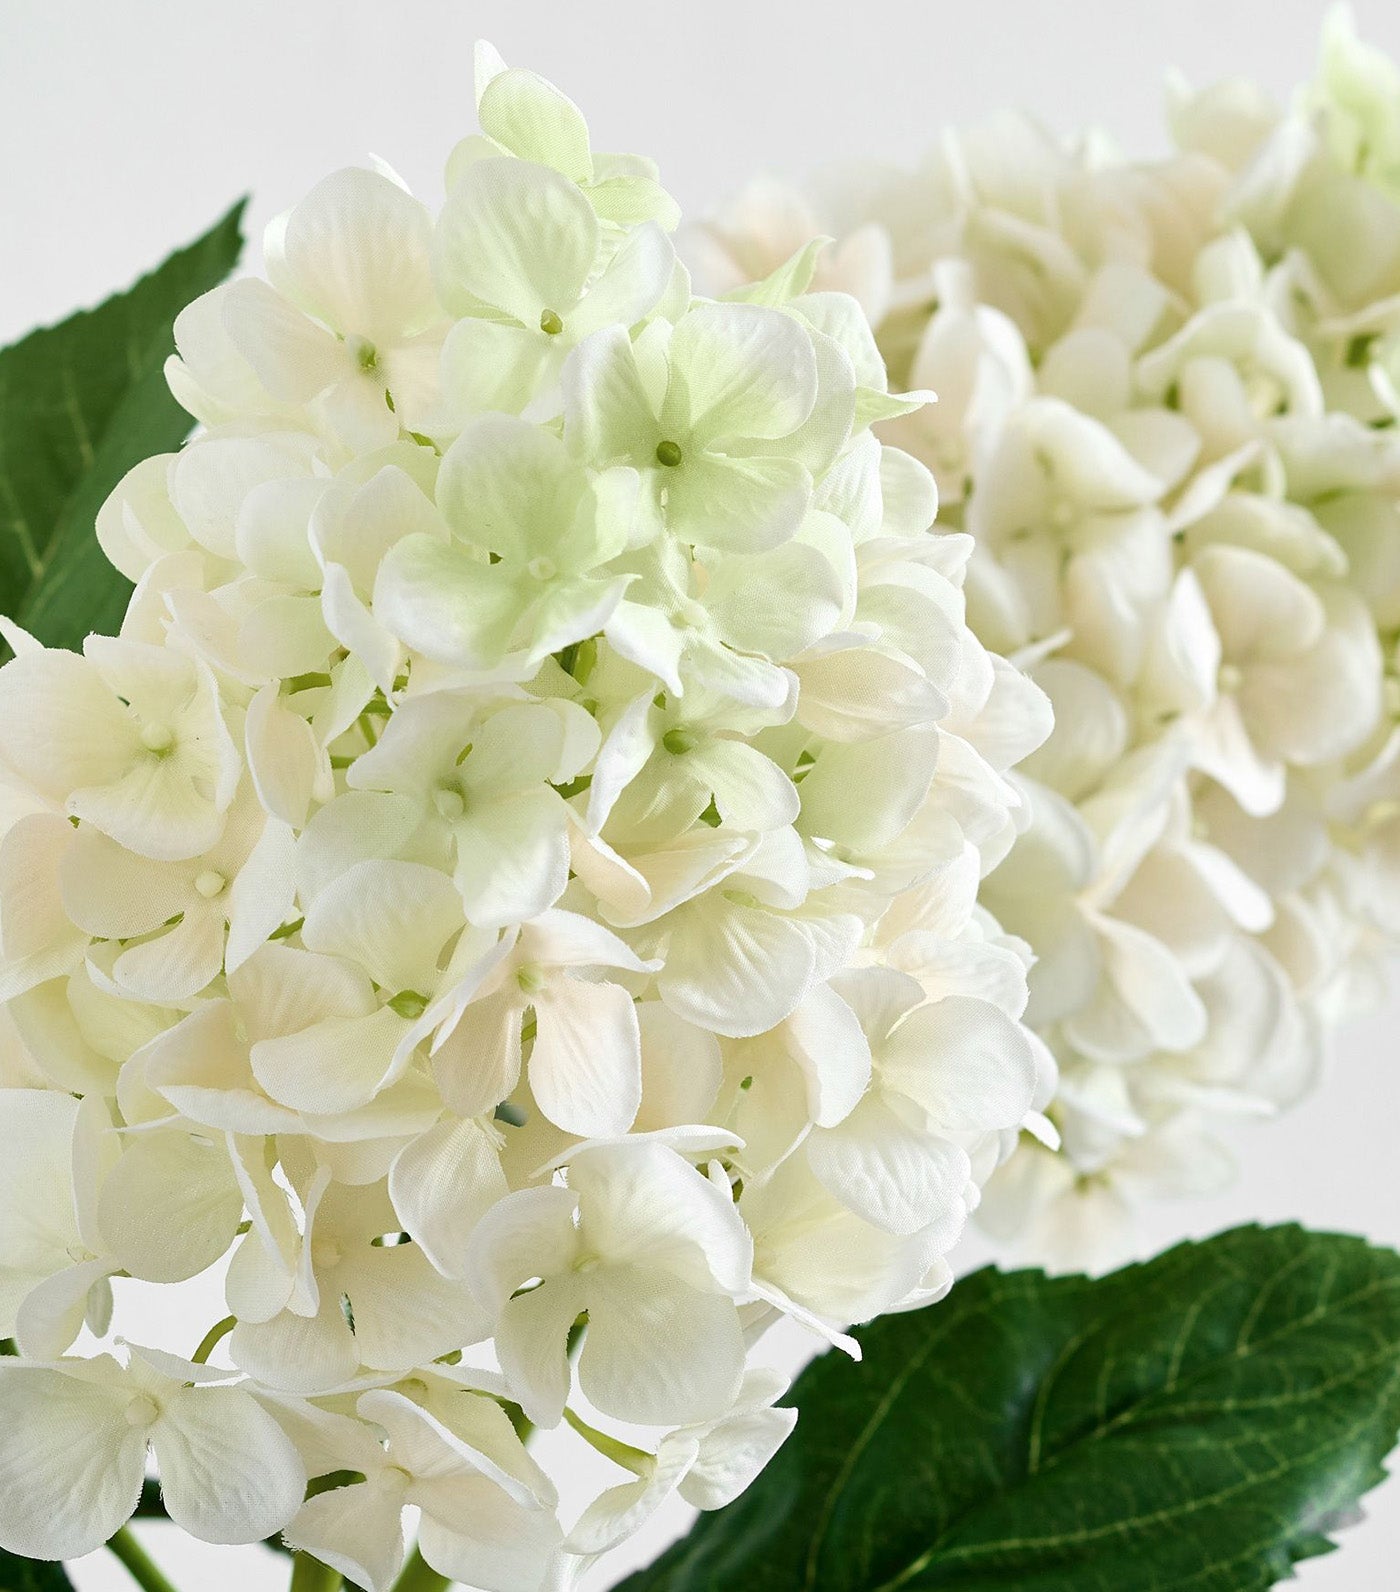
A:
(80, 404)
(1195, 1424)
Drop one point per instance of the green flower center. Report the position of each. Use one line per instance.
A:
(408, 1003)
(531, 980)
(669, 454)
(362, 351)
(551, 322)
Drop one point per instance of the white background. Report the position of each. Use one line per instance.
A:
(127, 125)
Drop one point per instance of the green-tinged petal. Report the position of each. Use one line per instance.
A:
(509, 486)
(752, 681)
(531, 118)
(516, 236)
(626, 201)
(331, 1066)
(491, 366)
(170, 1206)
(738, 370)
(789, 281)
(630, 286)
(861, 794)
(873, 406)
(445, 604)
(573, 611)
(750, 791)
(737, 505)
(607, 413)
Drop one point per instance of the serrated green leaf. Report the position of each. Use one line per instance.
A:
(80, 404)
(1199, 1422)
(31, 1575)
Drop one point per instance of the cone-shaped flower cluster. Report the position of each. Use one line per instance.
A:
(511, 886)
(1169, 395)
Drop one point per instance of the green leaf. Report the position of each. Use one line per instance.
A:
(1201, 1421)
(80, 404)
(31, 1575)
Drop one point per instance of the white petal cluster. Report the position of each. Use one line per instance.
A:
(1169, 394)
(510, 889)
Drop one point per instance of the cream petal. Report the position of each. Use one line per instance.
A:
(354, 253)
(586, 1068)
(76, 1475)
(357, 1530)
(228, 1472)
(659, 1352)
(442, 1184)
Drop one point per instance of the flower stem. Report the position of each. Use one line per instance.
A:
(139, 1564)
(419, 1576)
(213, 1337)
(637, 1460)
(310, 1575)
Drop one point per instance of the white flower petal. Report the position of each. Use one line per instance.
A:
(357, 1530)
(586, 1065)
(892, 1175)
(74, 1475)
(659, 1352)
(228, 1472)
(170, 1206)
(354, 252)
(442, 1184)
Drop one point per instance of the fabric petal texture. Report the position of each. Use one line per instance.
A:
(612, 821)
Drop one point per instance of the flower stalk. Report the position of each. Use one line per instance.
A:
(419, 1576)
(310, 1575)
(138, 1563)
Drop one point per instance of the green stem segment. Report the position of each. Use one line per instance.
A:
(419, 1576)
(637, 1460)
(139, 1565)
(310, 1575)
(213, 1337)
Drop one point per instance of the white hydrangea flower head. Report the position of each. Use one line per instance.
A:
(1168, 399)
(510, 892)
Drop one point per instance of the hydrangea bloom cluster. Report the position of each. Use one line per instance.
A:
(509, 892)
(1169, 394)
